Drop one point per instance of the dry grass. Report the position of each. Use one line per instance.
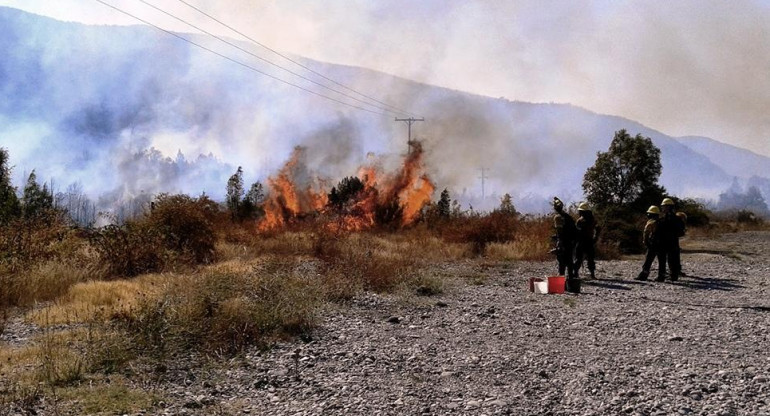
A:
(98, 300)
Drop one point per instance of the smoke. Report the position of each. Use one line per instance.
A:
(130, 111)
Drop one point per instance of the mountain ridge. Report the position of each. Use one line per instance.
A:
(87, 99)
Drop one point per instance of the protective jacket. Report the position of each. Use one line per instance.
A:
(651, 233)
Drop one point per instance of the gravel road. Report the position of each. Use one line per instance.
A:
(698, 346)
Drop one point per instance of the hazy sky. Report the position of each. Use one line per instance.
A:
(683, 67)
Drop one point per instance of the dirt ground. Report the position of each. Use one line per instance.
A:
(489, 346)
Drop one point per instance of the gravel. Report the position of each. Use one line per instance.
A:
(622, 347)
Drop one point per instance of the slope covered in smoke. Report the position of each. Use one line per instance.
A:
(735, 161)
(112, 107)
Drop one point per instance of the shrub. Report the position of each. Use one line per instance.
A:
(480, 231)
(129, 249)
(185, 225)
(224, 312)
(747, 217)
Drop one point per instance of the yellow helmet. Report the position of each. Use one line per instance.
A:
(682, 216)
(584, 206)
(557, 203)
(667, 201)
(653, 210)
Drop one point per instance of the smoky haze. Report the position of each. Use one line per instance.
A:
(130, 111)
(685, 68)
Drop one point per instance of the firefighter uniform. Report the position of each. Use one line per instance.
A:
(566, 234)
(670, 228)
(651, 242)
(587, 235)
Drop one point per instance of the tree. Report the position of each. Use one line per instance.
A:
(751, 200)
(627, 171)
(347, 189)
(444, 205)
(9, 202)
(35, 200)
(506, 205)
(251, 206)
(234, 193)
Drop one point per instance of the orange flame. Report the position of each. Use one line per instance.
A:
(287, 200)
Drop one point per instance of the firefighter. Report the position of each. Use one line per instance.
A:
(670, 228)
(651, 242)
(683, 218)
(566, 234)
(587, 235)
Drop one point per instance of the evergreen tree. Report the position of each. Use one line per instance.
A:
(444, 205)
(235, 193)
(35, 200)
(252, 203)
(9, 202)
(506, 205)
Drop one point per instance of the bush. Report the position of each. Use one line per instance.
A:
(748, 218)
(224, 312)
(129, 249)
(697, 214)
(185, 225)
(481, 230)
(625, 234)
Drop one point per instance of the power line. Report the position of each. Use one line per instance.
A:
(483, 178)
(263, 59)
(409, 121)
(292, 60)
(239, 62)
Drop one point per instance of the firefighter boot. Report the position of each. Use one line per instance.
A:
(642, 275)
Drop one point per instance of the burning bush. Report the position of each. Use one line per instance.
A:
(357, 203)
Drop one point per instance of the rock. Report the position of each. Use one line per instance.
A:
(676, 338)
(394, 319)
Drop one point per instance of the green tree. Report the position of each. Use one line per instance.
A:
(347, 189)
(36, 200)
(506, 205)
(251, 206)
(9, 202)
(444, 205)
(627, 171)
(234, 193)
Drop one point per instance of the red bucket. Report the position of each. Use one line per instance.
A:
(556, 284)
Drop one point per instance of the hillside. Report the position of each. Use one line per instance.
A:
(113, 107)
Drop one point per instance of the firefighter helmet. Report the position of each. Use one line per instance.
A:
(584, 206)
(667, 201)
(653, 210)
(557, 204)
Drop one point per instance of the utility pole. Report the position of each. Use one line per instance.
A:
(483, 177)
(409, 121)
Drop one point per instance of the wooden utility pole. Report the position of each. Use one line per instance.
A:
(409, 121)
(483, 177)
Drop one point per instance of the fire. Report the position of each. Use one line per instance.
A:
(289, 200)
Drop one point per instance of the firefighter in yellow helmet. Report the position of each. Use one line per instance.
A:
(566, 234)
(651, 242)
(587, 235)
(670, 228)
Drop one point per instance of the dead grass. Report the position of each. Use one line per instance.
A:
(98, 300)
(115, 398)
